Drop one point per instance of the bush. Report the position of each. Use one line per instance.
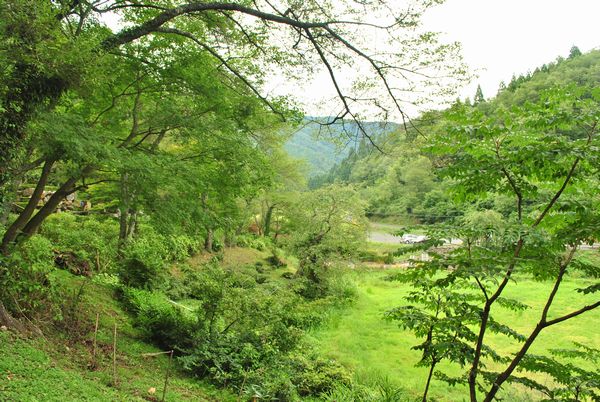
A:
(145, 261)
(318, 282)
(87, 238)
(381, 389)
(242, 334)
(252, 241)
(25, 277)
(160, 321)
(315, 375)
(180, 247)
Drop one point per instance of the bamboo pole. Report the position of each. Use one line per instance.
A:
(115, 355)
(95, 340)
(167, 375)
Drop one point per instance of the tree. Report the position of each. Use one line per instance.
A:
(325, 225)
(545, 155)
(574, 52)
(49, 46)
(478, 98)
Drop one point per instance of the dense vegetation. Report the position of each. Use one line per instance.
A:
(158, 237)
(401, 184)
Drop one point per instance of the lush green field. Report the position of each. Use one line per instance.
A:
(360, 338)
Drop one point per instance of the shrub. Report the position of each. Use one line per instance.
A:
(252, 241)
(86, 238)
(242, 334)
(315, 375)
(180, 247)
(25, 276)
(145, 261)
(160, 321)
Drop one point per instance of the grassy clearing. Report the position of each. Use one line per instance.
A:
(360, 338)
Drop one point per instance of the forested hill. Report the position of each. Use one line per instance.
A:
(324, 146)
(401, 185)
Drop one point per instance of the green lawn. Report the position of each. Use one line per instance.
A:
(361, 339)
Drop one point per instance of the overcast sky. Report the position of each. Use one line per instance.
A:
(504, 37)
(499, 37)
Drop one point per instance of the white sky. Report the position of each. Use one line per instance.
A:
(505, 37)
(499, 38)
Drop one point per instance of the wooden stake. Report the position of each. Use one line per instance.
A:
(167, 375)
(96, 336)
(115, 355)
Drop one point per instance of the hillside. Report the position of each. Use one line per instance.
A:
(323, 147)
(400, 185)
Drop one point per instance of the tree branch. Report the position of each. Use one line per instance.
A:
(226, 64)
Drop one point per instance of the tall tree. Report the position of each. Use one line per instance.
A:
(478, 98)
(544, 155)
(48, 45)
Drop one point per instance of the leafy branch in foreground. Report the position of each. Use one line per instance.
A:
(545, 155)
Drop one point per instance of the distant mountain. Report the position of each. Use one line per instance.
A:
(401, 184)
(322, 147)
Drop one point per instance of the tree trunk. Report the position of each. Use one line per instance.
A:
(208, 241)
(132, 224)
(426, 391)
(268, 217)
(11, 233)
(128, 218)
(123, 218)
(34, 223)
(7, 320)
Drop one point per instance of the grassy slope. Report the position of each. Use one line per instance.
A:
(361, 339)
(58, 369)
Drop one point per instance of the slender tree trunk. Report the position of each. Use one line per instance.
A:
(123, 218)
(429, 376)
(128, 218)
(132, 224)
(49, 207)
(268, 217)
(543, 323)
(208, 241)
(502, 377)
(485, 314)
(11, 233)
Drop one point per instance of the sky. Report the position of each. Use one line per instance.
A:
(499, 38)
(505, 37)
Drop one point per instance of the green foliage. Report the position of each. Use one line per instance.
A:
(545, 155)
(252, 241)
(89, 238)
(145, 261)
(162, 322)
(239, 332)
(573, 382)
(326, 225)
(26, 282)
